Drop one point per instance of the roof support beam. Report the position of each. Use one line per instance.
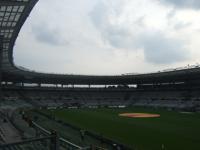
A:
(6, 27)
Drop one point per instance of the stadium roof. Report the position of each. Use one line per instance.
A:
(13, 14)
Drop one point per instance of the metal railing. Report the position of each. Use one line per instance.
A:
(62, 142)
(43, 143)
(48, 141)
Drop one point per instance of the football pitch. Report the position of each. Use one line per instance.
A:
(171, 131)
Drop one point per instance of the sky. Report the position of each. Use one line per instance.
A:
(109, 37)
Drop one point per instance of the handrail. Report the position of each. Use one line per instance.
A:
(41, 128)
(65, 141)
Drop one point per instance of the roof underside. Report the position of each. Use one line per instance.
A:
(13, 14)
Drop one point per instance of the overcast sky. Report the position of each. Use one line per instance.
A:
(109, 36)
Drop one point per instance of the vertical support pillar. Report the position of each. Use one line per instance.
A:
(1, 53)
(54, 141)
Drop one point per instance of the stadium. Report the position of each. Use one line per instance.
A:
(41, 111)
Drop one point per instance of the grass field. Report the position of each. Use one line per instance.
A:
(177, 131)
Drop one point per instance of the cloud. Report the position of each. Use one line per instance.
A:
(103, 18)
(117, 36)
(160, 49)
(98, 14)
(182, 25)
(191, 4)
(43, 33)
(158, 46)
